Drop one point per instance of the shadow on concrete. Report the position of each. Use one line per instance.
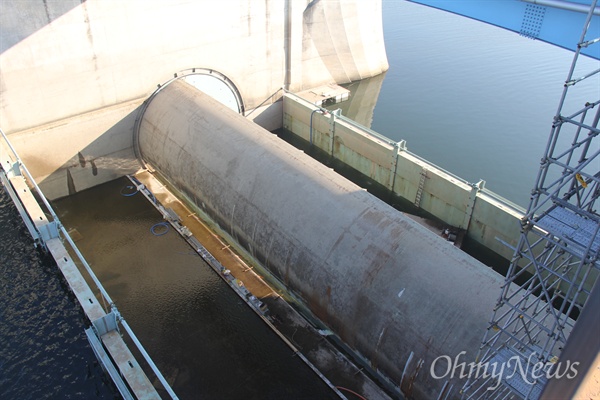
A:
(363, 99)
(105, 157)
(21, 19)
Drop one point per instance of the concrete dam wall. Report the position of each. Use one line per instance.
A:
(385, 284)
(73, 74)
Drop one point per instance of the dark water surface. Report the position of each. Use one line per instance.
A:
(475, 99)
(44, 353)
(202, 336)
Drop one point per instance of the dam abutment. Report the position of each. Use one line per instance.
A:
(75, 73)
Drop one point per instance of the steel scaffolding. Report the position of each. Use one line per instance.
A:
(555, 262)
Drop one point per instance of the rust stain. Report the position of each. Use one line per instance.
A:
(337, 144)
(319, 309)
(378, 259)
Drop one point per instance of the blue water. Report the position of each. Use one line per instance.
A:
(44, 353)
(475, 99)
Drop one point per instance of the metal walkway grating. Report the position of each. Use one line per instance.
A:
(520, 375)
(556, 260)
(575, 229)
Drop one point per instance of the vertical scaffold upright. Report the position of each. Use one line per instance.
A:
(555, 262)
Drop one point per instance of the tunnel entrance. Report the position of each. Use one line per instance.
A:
(217, 86)
(210, 82)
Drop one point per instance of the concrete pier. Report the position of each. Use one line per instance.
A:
(74, 74)
(392, 290)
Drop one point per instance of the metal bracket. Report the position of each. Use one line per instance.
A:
(14, 170)
(49, 231)
(108, 365)
(105, 324)
(475, 189)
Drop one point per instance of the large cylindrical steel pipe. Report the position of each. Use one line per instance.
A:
(385, 284)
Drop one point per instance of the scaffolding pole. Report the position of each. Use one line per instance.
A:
(555, 263)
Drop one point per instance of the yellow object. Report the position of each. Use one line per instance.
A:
(581, 180)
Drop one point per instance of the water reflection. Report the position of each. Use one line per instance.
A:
(363, 99)
(207, 342)
(475, 99)
(43, 350)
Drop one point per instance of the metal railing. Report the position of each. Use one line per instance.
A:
(402, 144)
(106, 297)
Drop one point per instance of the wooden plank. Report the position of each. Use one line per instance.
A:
(116, 347)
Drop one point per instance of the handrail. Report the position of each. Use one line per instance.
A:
(565, 5)
(369, 132)
(56, 219)
(91, 273)
(378, 136)
(261, 104)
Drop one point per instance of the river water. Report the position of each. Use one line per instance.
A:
(207, 342)
(476, 100)
(472, 98)
(44, 353)
(203, 337)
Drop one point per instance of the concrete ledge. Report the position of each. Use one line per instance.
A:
(80, 152)
(288, 323)
(485, 217)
